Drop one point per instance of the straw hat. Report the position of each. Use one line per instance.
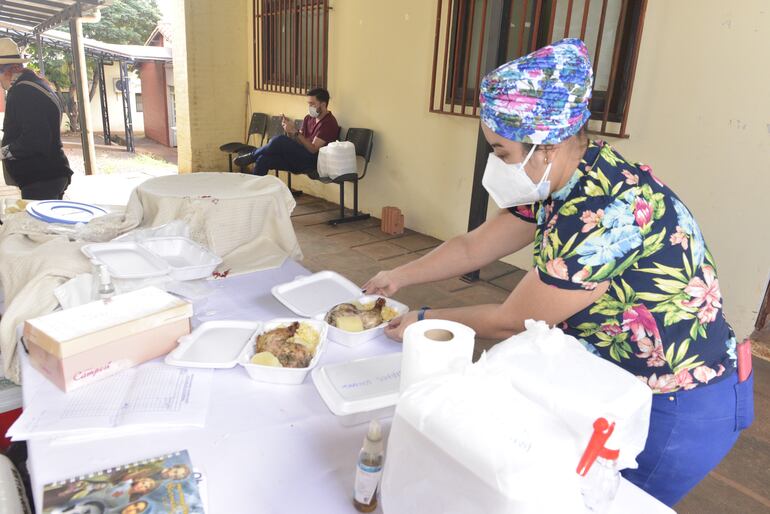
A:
(9, 52)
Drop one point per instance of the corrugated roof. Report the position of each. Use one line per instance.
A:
(41, 15)
(93, 47)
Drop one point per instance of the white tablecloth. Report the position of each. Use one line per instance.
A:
(242, 218)
(265, 449)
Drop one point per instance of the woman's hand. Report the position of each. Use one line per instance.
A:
(383, 283)
(396, 327)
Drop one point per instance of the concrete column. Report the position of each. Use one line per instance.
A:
(81, 85)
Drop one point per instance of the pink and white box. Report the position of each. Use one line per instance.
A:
(79, 346)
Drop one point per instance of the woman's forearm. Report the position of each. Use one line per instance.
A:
(451, 259)
(486, 320)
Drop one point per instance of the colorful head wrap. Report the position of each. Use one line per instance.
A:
(540, 98)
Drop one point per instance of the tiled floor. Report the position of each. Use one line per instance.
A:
(739, 485)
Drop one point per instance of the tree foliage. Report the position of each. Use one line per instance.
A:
(124, 22)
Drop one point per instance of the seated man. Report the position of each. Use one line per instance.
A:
(297, 151)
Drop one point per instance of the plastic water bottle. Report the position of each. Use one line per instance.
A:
(600, 485)
(106, 288)
(369, 469)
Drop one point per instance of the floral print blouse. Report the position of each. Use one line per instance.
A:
(661, 318)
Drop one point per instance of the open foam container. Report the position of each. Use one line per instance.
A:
(227, 343)
(182, 258)
(314, 295)
(360, 390)
(276, 375)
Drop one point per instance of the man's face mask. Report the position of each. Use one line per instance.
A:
(509, 185)
(313, 111)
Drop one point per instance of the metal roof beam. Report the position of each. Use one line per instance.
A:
(64, 16)
(23, 15)
(16, 21)
(33, 8)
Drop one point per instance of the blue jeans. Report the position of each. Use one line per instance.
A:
(283, 153)
(690, 433)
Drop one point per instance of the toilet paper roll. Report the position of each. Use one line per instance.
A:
(434, 346)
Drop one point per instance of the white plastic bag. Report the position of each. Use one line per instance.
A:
(469, 443)
(336, 159)
(505, 434)
(555, 371)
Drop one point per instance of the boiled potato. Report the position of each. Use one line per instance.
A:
(266, 359)
(350, 323)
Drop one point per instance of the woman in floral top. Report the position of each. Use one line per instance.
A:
(619, 263)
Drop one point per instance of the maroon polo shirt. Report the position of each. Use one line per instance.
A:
(326, 128)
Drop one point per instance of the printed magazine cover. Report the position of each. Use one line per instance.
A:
(162, 485)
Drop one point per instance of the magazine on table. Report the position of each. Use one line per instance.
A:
(166, 484)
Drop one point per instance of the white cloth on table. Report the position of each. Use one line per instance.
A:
(242, 218)
(34, 262)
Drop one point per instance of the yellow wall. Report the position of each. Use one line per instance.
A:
(699, 117)
(210, 74)
(380, 58)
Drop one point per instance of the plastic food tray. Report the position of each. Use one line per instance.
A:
(360, 390)
(351, 339)
(314, 295)
(276, 375)
(126, 260)
(214, 344)
(187, 259)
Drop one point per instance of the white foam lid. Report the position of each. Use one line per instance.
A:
(311, 295)
(214, 344)
(361, 385)
(126, 260)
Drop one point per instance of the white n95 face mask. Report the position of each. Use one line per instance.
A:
(509, 185)
(312, 111)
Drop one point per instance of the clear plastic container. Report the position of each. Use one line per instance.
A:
(600, 485)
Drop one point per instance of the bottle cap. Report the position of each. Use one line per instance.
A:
(375, 431)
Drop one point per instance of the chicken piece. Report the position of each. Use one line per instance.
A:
(373, 316)
(274, 340)
(342, 310)
(294, 355)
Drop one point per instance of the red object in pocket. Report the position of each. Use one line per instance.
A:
(743, 351)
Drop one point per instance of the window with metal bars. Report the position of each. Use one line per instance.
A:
(475, 36)
(290, 45)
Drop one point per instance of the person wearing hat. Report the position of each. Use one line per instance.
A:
(31, 149)
(619, 263)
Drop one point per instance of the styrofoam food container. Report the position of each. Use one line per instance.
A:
(346, 338)
(187, 259)
(126, 260)
(275, 375)
(361, 390)
(214, 344)
(314, 295)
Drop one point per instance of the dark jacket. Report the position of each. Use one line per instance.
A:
(31, 128)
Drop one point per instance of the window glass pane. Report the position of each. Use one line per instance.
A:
(602, 78)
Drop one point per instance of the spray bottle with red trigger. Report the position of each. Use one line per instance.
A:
(599, 469)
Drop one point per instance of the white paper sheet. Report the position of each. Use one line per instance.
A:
(152, 395)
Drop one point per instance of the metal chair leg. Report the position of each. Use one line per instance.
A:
(230, 162)
(294, 192)
(356, 215)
